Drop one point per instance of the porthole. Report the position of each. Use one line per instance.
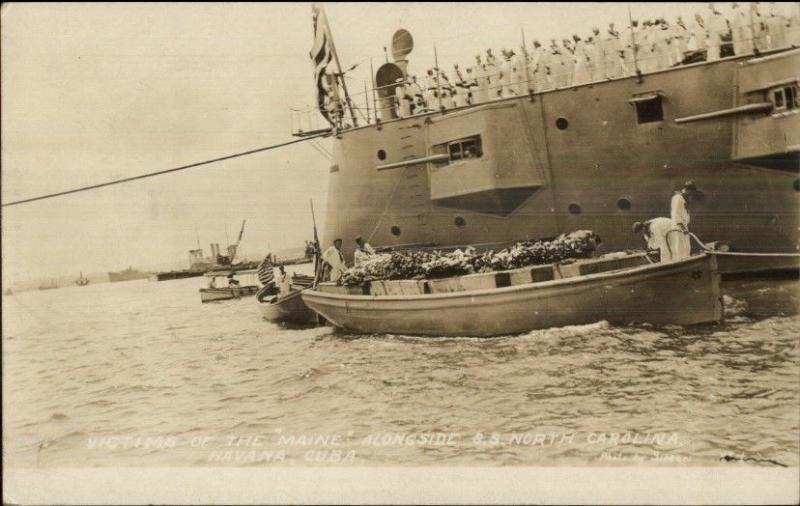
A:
(381, 154)
(797, 185)
(460, 222)
(395, 230)
(574, 208)
(562, 123)
(624, 204)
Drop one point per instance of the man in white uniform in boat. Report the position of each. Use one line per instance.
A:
(363, 252)
(334, 261)
(655, 233)
(284, 284)
(678, 238)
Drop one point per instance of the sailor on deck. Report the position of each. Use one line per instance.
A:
(507, 75)
(460, 88)
(775, 24)
(595, 50)
(678, 238)
(741, 30)
(582, 72)
(431, 92)
(680, 40)
(334, 261)
(481, 93)
(403, 99)
(493, 74)
(716, 27)
(699, 34)
(612, 50)
(655, 233)
(539, 62)
(631, 44)
(414, 90)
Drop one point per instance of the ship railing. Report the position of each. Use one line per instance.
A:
(542, 78)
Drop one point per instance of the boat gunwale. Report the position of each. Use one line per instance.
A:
(291, 295)
(570, 281)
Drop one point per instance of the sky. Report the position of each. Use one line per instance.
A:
(95, 92)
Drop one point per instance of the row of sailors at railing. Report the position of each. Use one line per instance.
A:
(653, 46)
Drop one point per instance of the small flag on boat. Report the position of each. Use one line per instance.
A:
(321, 55)
(265, 272)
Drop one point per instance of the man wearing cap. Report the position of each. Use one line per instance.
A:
(404, 100)
(334, 260)
(481, 93)
(363, 252)
(655, 233)
(507, 75)
(582, 72)
(678, 237)
(415, 91)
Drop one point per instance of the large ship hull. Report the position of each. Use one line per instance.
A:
(579, 158)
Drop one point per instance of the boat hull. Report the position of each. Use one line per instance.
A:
(290, 309)
(169, 276)
(684, 292)
(226, 293)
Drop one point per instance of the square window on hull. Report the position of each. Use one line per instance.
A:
(786, 98)
(461, 149)
(650, 109)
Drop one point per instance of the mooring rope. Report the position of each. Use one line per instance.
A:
(161, 172)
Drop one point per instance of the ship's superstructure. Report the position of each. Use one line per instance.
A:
(597, 156)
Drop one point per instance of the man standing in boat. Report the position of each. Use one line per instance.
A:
(284, 285)
(678, 237)
(363, 252)
(334, 261)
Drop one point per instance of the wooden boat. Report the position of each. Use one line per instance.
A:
(617, 288)
(247, 286)
(290, 309)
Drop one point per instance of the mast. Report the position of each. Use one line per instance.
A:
(374, 100)
(317, 248)
(236, 247)
(524, 57)
(438, 82)
(339, 68)
(634, 50)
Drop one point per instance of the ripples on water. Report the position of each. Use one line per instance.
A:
(84, 366)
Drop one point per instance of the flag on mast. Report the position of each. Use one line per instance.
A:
(321, 56)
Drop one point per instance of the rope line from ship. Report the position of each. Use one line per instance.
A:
(165, 171)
